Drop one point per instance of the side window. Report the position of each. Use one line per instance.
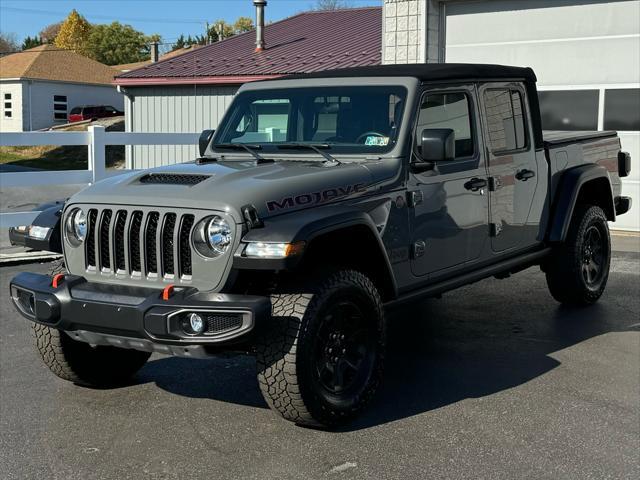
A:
(447, 110)
(505, 120)
(8, 106)
(60, 107)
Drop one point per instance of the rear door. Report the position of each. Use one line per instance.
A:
(512, 166)
(449, 203)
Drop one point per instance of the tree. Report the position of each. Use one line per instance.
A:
(331, 4)
(31, 42)
(74, 34)
(49, 33)
(8, 43)
(115, 44)
(218, 30)
(243, 24)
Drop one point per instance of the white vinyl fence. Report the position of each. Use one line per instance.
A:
(96, 139)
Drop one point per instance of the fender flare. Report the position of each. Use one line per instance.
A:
(567, 193)
(306, 226)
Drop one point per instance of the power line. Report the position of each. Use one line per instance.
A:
(104, 17)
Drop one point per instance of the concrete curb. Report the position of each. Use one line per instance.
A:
(27, 257)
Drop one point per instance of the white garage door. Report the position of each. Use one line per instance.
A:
(586, 55)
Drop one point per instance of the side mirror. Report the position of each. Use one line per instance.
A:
(203, 142)
(438, 144)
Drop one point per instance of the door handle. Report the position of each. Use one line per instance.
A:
(525, 175)
(475, 184)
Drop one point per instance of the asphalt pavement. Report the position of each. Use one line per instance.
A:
(493, 381)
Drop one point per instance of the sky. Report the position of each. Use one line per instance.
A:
(169, 18)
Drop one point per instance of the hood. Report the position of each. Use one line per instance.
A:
(273, 188)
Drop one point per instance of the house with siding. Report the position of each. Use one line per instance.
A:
(40, 86)
(191, 92)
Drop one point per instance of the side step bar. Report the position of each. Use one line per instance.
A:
(511, 265)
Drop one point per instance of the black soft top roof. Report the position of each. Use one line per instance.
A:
(429, 72)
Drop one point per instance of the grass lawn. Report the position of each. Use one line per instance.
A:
(53, 157)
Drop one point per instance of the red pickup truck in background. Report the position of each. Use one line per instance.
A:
(92, 112)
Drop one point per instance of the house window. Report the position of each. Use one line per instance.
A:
(60, 107)
(7, 106)
(505, 120)
(622, 109)
(569, 109)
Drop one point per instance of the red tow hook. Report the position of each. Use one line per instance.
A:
(57, 280)
(167, 292)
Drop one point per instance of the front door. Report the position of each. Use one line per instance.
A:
(512, 166)
(450, 202)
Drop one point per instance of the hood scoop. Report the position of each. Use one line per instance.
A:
(173, 179)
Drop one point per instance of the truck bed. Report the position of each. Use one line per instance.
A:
(558, 137)
(565, 150)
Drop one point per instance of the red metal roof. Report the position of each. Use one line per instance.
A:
(307, 42)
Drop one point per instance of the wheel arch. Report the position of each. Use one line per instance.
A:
(580, 185)
(342, 236)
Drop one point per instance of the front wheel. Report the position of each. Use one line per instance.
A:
(81, 363)
(578, 270)
(320, 359)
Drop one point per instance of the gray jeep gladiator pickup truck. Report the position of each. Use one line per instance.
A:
(319, 202)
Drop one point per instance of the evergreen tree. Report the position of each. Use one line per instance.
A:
(31, 42)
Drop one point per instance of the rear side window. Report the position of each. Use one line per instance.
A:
(75, 110)
(569, 109)
(505, 120)
(622, 109)
(447, 110)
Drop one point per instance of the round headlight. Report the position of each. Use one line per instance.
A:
(212, 237)
(218, 235)
(77, 226)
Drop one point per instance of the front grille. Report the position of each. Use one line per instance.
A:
(167, 243)
(173, 179)
(134, 241)
(185, 250)
(150, 242)
(218, 323)
(91, 239)
(121, 221)
(105, 224)
(139, 243)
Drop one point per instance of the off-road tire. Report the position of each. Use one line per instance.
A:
(80, 363)
(287, 345)
(564, 270)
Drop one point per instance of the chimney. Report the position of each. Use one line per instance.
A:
(260, 43)
(154, 52)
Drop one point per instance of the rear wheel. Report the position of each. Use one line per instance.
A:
(320, 360)
(578, 270)
(80, 363)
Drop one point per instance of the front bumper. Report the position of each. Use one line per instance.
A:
(138, 318)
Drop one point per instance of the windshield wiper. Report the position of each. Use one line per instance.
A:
(244, 146)
(316, 147)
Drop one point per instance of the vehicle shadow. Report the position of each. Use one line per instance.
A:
(439, 352)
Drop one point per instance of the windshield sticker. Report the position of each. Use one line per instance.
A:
(374, 141)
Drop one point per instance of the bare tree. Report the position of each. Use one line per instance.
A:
(8, 43)
(331, 4)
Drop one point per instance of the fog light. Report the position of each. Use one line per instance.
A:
(24, 300)
(193, 324)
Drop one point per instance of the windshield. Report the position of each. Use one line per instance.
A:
(344, 119)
